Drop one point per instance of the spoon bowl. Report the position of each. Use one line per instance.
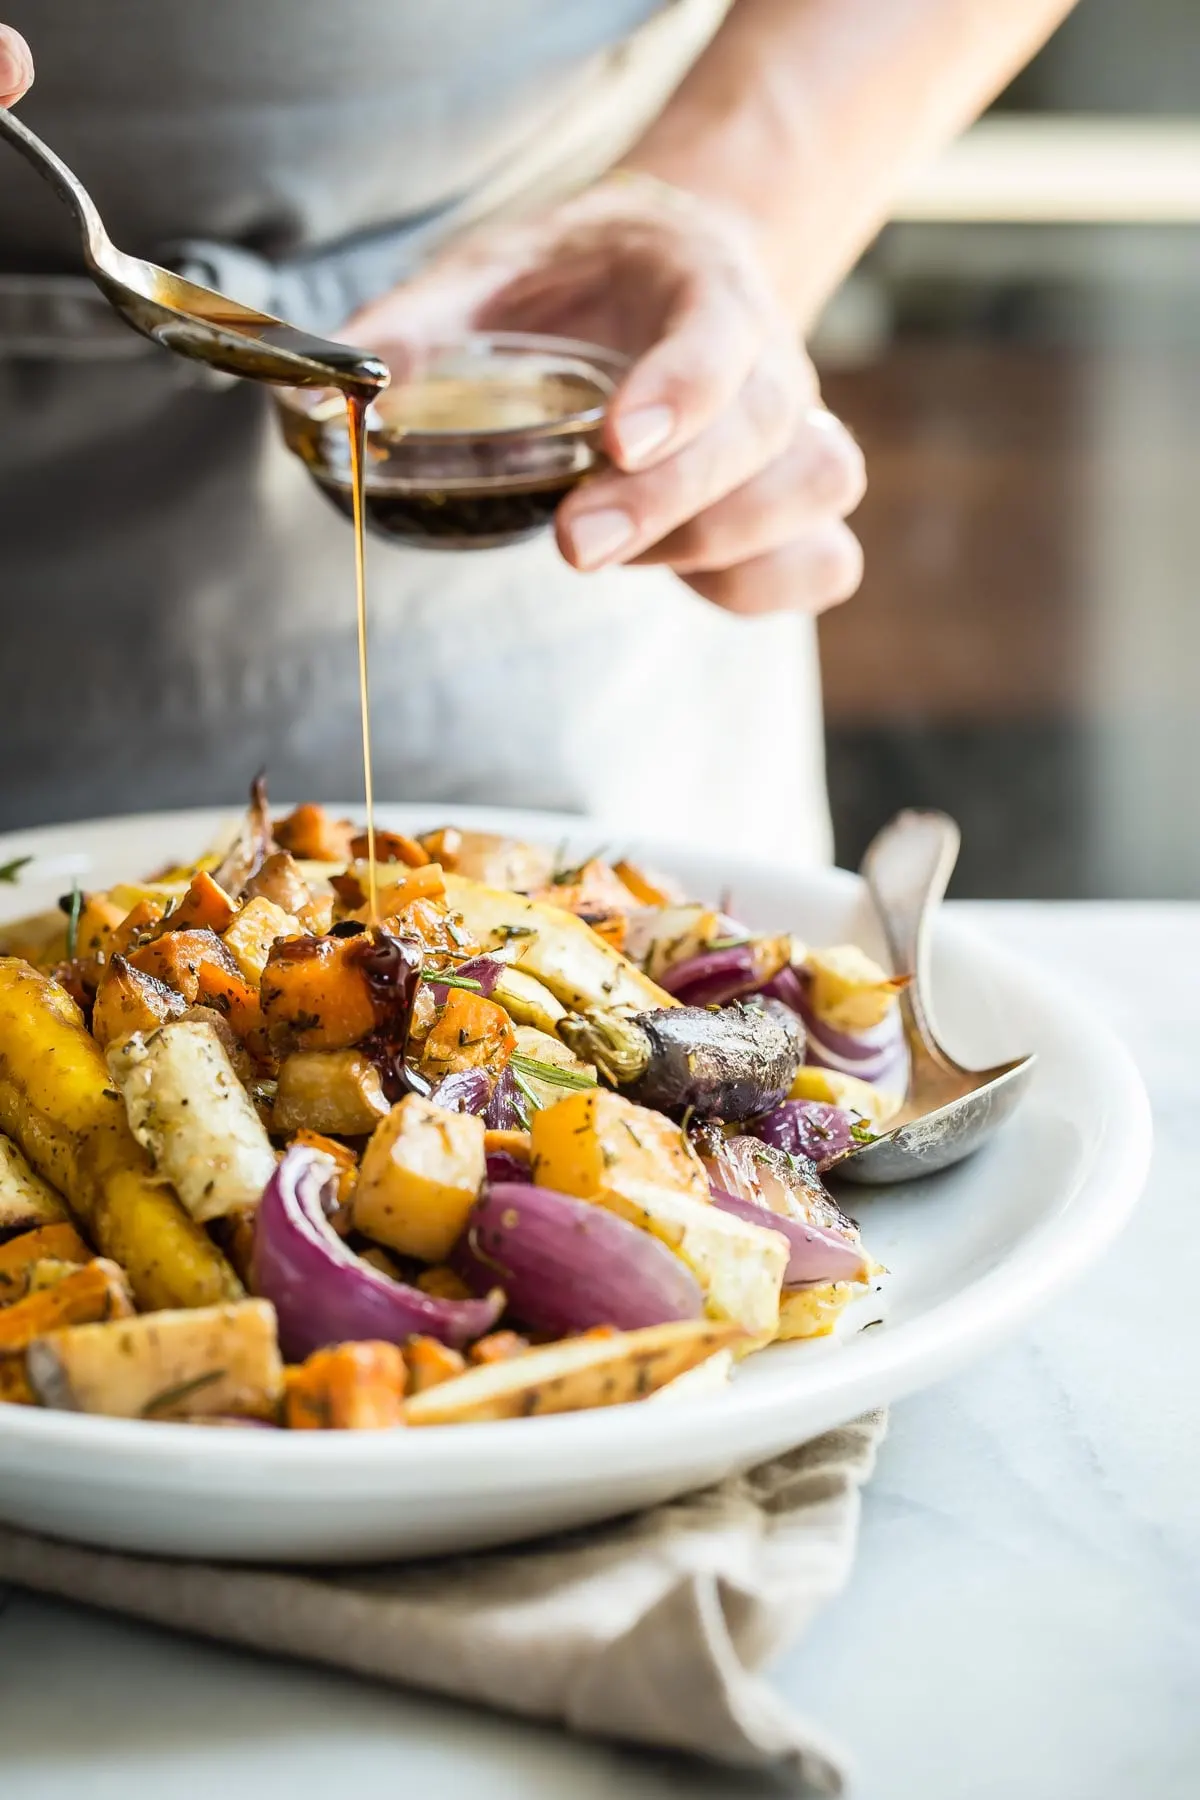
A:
(196, 321)
(948, 1110)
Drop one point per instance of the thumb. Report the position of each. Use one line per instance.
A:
(16, 66)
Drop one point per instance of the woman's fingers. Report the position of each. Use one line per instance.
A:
(821, 476)
(615, 517)
(819, 569)
(16, 66)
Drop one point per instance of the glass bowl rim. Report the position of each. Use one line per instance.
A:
(594, 357)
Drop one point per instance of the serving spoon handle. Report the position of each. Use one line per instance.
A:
(907, 869)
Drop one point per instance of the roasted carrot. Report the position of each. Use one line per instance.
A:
(350, 1387)
(205, 904)
(96, 1291)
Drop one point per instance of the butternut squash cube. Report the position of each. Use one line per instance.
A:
(420, 1176)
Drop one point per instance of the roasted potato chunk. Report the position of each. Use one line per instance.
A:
(26, 1201)
(249, 937)
(338, 1092)
(164, 1365)
(187, 1107)
(128, 1000)
(419, 1178)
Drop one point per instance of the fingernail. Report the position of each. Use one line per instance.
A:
(596, 537)
(641, 433)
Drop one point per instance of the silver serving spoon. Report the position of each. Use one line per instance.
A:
(948, 1111)
(195, 321)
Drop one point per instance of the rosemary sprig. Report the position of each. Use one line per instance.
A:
(183, 1390)
(441, 979)
(9, 871)
(551, 1073)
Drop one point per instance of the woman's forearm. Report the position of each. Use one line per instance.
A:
(807, 116)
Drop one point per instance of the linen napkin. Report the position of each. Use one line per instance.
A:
(652, 1630)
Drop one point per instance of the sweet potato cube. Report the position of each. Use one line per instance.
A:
(594, 1141)
(430, 1362)
(315, 994)
(205, 904)
(178, 957)
(249, 937)
(311, 834)
(88, 1295)
(129, 1000)
(419, 1178)
(471, 1033)
(349, 1387)
(331, 1091)
(60, 1242)
(138, 923)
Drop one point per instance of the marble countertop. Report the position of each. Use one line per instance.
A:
(1024, 1618)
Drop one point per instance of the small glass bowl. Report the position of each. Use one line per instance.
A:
(473, 445)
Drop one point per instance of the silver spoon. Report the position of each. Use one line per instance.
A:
(948, 1111)
(195, 321)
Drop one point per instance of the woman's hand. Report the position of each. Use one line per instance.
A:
(16, 66)
(725, 465)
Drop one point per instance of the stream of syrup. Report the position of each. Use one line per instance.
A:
(356, 423)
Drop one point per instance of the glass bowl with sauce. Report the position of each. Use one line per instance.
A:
(473, 445)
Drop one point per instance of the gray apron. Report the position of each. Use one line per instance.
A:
(175, 599)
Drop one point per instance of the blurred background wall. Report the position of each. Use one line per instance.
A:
(1019, 355)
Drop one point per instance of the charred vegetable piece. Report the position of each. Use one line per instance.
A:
(731, 1063)
(390, 847)
(252, 843)
(471, 1033)
(572, 1376)
(553, 946)
(129, 1000)
(164, 1365)
(180, 959)
(334, 1091)
(249, 937)
(350, 1387)
(187, 1107)
(26, 1201)
(61, 1242)
(281, 881)
(138, 926)
(96, 1290)
(58, 1104)
(419, 1178)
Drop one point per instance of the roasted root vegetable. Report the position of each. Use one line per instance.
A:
(309, 833)
(500, 862)
(248, 937)
(165, 1365)
(187, 1107)
(732, 1062)
(349, 1387)
(58, 1104)
(60, 1242)
(390, 847)
(331, 1091)
(206, 904)
(471, 1032)
(14, 1383)
(430, 1362)
(527, 1001)
(571, 1376)
(26, 1201)
(95, 1291)
(129, 1000)
(419, 1177)
(597, 1146)
(316, 993)
(553, 946)
(811, 1312)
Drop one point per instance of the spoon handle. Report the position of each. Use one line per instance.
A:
(907, 868)
(65, 184)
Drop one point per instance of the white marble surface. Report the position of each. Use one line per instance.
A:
(1023, 1624)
